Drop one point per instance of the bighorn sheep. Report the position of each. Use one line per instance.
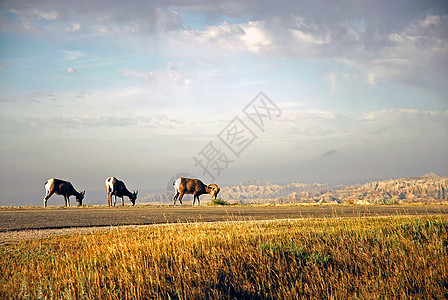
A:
(117, 188)
(63, 188)
(193, 186)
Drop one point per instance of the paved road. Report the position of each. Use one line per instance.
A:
(56, 218)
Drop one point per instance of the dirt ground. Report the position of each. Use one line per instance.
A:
(26, 223)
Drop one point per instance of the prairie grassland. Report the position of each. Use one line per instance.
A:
(374, 258)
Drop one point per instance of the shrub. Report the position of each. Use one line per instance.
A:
(219, 202)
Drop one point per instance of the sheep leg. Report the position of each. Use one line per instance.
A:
(196, 197)
(180, 198)
(46, 198)
(175, 198)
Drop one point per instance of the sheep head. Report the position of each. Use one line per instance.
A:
(79, 197)
(133, 196)
(214, 190)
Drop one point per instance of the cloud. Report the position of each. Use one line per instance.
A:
(403, 124)
(145, 20)
(35, 13)
(332, 78)
(402, 115)
(171, 74)
(46, 15)
(337, 79)
(287, 35)
(136, 74)
(416, 54)
(29, 19)
(308, 39)
(82, 95)
(331, 152)
(37, 97)
(378, 50)
(72, 54)
(99, 18)
(57, 123)
(73, 27)
(387, 123)
(371, 78)
(70, 70)
(356, 31)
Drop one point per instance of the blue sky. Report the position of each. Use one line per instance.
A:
(91, 90)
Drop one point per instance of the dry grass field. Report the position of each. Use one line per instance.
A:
(399, 257)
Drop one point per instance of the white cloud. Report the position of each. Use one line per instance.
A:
(249, 36)
(307, 38)
(35, 13)
(29, 17)
(46, 15)
(400, 115)
(397, 124)
(171, 74)
(144, 21)
(35, 97)
(70, 70)
(73, 27)
(390, 124)
(416, 55)
(399, 54)
(58, 123)
(135, 74)
(255, 37)
(137, 19)
(72, 54)
(431, 20)
(39, 97)
(336, 80)
(332, 78)
(371, 78)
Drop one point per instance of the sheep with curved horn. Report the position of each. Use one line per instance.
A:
(193, 186)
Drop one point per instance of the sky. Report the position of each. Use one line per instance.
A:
(333, 92)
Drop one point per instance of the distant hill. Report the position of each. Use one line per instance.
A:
(427, 189)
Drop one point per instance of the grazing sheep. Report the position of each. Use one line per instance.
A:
(193, 186)
(117, 188)
(64, 188)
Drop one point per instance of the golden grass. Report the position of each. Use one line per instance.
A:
(379, 258)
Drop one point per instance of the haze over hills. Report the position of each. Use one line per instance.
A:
(278, 193)
(429, 188)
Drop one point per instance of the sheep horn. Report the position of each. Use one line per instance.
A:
(213, 186)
